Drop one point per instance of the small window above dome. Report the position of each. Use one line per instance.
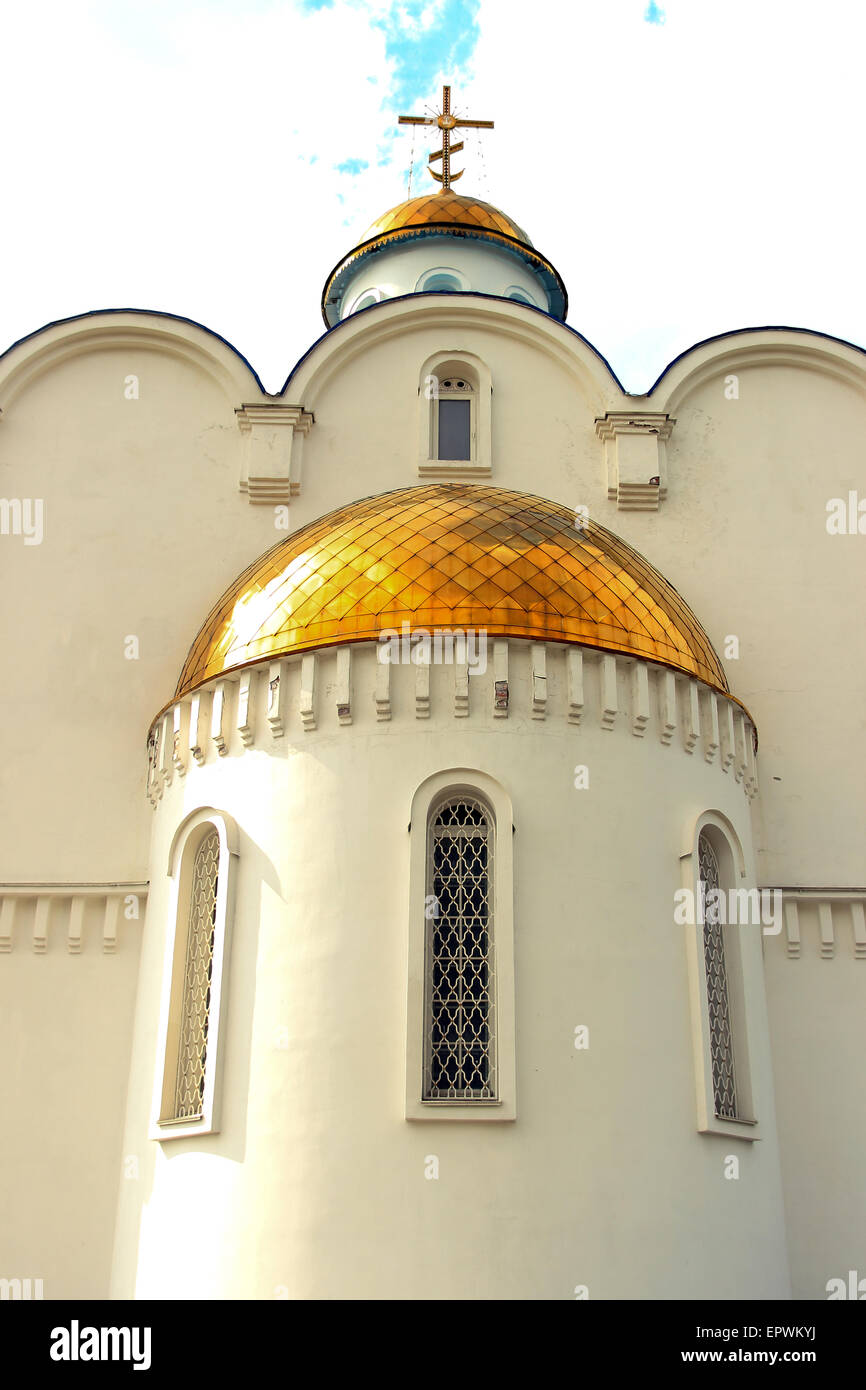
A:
(514, 292)
(366, 301)
(442, 280)
(441, 283)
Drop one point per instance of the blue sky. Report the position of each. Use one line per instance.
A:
(689, 167)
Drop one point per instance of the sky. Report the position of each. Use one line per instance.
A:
(690, 167)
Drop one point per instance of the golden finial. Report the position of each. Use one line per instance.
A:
(446, 123)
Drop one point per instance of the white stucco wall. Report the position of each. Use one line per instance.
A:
(818, 1034)
(316, 1184)
(66, 1038)
(145, 524)
(398, 270)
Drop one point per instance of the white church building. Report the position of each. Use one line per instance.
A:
(433, 841)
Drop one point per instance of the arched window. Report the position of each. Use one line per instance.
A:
(522, 297)
(442, 280)
(365, 301)
(455, 400)
(460, 1060)
(718, 1001)
(460, 1043)
(195, 1005)
(724, 947)
(192, 1029)
(442, 284)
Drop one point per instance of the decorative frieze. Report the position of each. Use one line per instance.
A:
(307, 701)
(76, 925)
(180, 723)
(824, 922)
(422, 684)
(500, 678)
(246, 707)
(669, 705)
(40, 925)
(539, 680)
(692, 727)
(351, 685)
(711, 735)
(461, 689)
(792, 927)
(344, 685)
(219, 719)
(609, 697)
(84, 916)
(198, 724)
(640, 706)
(382, 696)
(726, 732)
(166, 752)
(574, 663)
(275, 699)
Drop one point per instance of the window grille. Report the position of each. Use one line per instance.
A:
(459, 1059)
(192, 1045)
(721, 1033)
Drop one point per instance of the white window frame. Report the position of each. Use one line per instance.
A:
(520, 296)
(427, 799)
(742, 951)
(447, 392)
(442, 366)
(181, 862)
(423, 280)
(371, 289)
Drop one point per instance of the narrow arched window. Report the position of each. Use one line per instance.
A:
(718, 995)
(196, 998)
(187, 1085)
(459, 1057)
(455, 395)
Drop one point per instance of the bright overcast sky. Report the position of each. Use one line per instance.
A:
(689, 167)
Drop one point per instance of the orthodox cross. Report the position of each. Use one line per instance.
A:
(446, 123)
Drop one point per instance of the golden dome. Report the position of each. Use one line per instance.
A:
(446, 206)
(450, 555)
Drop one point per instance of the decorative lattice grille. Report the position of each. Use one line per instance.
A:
(192, 1048)
(721, 1037)
(459, 1061)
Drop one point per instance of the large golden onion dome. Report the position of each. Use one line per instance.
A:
(444, 213)
(450, 555)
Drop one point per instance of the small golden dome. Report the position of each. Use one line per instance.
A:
(450, 555)
(437, 214)
(446, 206)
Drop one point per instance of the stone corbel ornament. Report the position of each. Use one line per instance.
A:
(635, 458)
(271, 463)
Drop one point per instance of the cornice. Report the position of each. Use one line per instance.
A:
(74, 912)
(273, 703)
(823, 922)
(132, 329)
